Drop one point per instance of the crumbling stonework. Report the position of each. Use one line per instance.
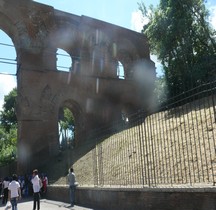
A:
(91, 89)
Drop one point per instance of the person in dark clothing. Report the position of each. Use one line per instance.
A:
(1, 187)
(72, 185)
(5, 185)
(26, 185)
(36, 182)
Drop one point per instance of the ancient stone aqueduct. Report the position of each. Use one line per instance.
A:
(91, 89)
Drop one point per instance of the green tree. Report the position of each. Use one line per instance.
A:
(8, 129)
(160, 91)
(8, 145)
(66, 123)
(180, 35)
(7, 115)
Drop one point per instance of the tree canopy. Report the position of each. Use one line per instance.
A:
(8, 129)
(7, 115)
(180, 35)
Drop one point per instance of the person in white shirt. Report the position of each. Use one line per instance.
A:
(36, 182)
(14, 192)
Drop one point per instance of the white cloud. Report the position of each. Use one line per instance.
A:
(158, 65)
(138, 21)
(7, 84)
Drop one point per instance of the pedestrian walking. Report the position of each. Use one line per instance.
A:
(37, 184)
(14, 192)
(72, 185)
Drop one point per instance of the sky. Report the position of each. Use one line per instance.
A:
(123, 13)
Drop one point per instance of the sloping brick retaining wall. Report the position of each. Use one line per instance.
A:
(138, 199)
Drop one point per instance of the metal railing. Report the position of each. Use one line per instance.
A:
(171, 147)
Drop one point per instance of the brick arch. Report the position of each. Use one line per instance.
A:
(75, 108)
(65, 36)
(94, 96)
(79, 118)
(125, 44)
(6, 25)
(127, 53)
(95, 51)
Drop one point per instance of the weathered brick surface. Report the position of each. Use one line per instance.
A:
(137, 199)
(92, 90)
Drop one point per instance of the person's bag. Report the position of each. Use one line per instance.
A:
(76, 184)
(8, 205)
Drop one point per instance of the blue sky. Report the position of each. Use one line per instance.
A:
(119, 12)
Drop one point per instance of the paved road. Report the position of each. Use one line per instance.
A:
(46, 205)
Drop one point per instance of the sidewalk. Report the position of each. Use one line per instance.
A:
(26, 204)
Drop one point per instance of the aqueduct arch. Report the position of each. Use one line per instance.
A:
(92, 89)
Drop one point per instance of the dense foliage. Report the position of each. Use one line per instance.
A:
(7, 115)
(180, 35)
(8, 129)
